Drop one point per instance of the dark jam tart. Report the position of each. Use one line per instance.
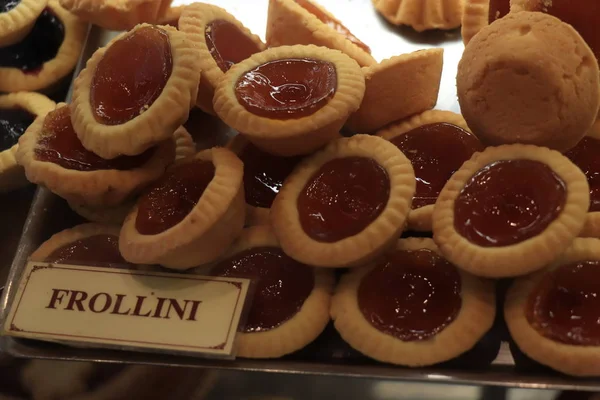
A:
(506, 204)
(13, 123)
(413, 307)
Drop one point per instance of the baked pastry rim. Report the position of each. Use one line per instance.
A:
(16, 23)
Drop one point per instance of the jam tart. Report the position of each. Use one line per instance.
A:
(412, 307)
(17, 112)
(93, 245)
(398, 88)
(290, 100)
(53, 156)
(290, 305)
(136, 91)
(223, 42)
(305, 22)
(422, 15)
(553, 314)
(529, 78)
(346, 204)
(510, 210)
(437, 143)
(17, 18)
(190, 216)
(113, 215)
(264, 175)
(46, 55)
(117, 15)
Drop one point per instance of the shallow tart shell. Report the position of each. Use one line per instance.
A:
(531, 254)
(474, 320)
(94, 188)
(289, 24)
(475, 18)
(420, 219)
(158, 122)
(300, 330)
(376, 237)
(300, 135)
(16, 23)
(206, 232)
(397, 88)
(12, 175)
(569, 359)
(117, 15)
(53, 71)
(422, 15)
(193, 22)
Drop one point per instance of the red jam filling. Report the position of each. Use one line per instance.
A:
(498, 9)
(170, 199)
(333, 23)
(508, 202)
(264, 175)
(13, 123)
(565, 306)
(436, 152)
(287, 89)
(131, 76)
(228, 44)
(586, 156)
(282, 285)
(100, 250)
(60, 145)
(342, 198)
(411, 295)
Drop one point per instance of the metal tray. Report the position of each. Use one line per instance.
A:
(329, 355)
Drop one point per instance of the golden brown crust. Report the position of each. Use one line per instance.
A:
(569, 359)
(475, 18)
(193, 22)
(206, 232)
(302, 328)
(528, 255)
(293, 136)
(12, 175)
(422, 15)
(168, 112)
(376, 237)
(420, 219)
(184, 144)
(290, 24)
(474, 319)
(94, 188)
(16, 23)
(114, 215)
(117, 15)
(15, 80)
(397, 88)
(529, 78)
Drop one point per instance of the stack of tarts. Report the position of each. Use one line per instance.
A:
(289, 199)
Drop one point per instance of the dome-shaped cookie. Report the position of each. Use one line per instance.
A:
(422, 15)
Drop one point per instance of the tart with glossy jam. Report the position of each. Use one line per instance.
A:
(416, 76)
(117, 15)
(510, 210)
(17, 17)
(553, 314)
(136, 91)
(17, 112)
(290, 305)
(413, 307)
(293, 22)
(264, 175)
(437, 143)
(346, 204)
(290, 100)
(46, 55)
(190, 216)
(222, 40)
(422, 15)
(53, 156)
(94, 245)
